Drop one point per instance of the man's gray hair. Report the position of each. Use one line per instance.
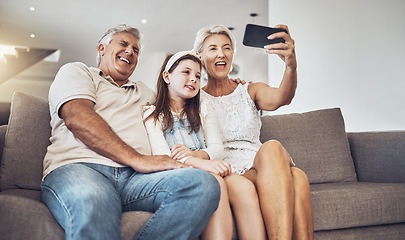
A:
(107, 37)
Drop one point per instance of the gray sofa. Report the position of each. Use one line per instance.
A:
(357, 179)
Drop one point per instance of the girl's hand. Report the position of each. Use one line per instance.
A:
(180, 151)
(286, 51)
(219, 167)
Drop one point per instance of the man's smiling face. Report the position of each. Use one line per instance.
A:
(119, 58)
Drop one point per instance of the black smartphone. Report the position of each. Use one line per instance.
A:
(256, 35)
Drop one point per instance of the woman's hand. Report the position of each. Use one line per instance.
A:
(286, 51)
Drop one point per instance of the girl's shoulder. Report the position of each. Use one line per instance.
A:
(147, 111)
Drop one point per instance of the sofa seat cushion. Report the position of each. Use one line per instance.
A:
(385, 232)
(356, 204)
(26, 141)
(132, 222)
(317, 142)
(23, 216)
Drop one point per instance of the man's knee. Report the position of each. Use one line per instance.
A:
(201, 185)
(74, 188)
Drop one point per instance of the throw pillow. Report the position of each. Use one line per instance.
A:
(27, 139)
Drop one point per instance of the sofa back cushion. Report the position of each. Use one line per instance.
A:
(26, 141)
(316, 141)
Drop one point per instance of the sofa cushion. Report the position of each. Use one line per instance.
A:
(25, 218)
(385, 232)
(316, 141)
(26, 141)
(3, 129)
(379, 156)
(357, 204)
(4, 112)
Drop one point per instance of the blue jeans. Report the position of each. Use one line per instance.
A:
(87, 200)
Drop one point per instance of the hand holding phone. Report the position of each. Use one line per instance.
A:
(257, 36)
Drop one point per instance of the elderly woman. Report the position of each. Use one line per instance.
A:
(282, 189)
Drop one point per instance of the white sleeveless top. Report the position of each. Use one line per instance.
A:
(239, 122)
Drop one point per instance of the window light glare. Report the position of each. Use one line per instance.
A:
(32, 35)
(7, 50)
(32, 8)
(143, 21)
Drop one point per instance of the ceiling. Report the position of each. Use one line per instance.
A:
(75, 26)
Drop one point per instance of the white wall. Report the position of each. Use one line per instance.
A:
(38, 88)
(351, 54)
(148, 68)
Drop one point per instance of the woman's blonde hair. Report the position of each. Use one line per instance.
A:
(203, 33)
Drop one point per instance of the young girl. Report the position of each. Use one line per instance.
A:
(180, 126)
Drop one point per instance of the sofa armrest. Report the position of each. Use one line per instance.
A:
(379, 156)
(3, 129)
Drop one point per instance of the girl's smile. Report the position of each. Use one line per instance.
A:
(184, 82)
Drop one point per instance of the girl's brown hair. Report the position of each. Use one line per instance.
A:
(162, 104)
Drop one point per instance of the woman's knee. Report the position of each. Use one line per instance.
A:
(272, 153)
(273, 145)
(300, 179)
(299, 175)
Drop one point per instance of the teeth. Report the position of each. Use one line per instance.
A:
(125, 60)
(220, 63)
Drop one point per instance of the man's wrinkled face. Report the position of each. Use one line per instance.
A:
(119, 58)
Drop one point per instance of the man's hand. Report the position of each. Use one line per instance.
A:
(156, 163)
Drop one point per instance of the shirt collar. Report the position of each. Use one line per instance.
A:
(129, 83)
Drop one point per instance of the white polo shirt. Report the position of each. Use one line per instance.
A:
(121, 107)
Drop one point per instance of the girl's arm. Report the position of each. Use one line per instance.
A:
(159, 146)
(157, 140)
(212, 134)
(213, 141)
(219, 167)
(180, 151)
(156, 137)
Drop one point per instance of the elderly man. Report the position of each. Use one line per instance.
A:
(99, 165)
